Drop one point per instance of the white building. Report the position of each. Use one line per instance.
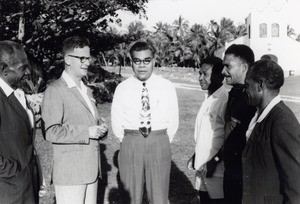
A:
(267, 35)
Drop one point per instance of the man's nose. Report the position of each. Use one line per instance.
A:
(200, 77)
(224, 71)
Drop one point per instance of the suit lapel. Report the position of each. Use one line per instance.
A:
(16, 105)
(79, 97)
(93, 102)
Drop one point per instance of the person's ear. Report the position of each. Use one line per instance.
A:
(67, 60)
(4, 69)
(261, 85)
(245, 67)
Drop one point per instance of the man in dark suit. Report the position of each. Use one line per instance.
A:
(271, 158)
(16, 129)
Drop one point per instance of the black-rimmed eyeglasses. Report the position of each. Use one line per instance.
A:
(138, 61)
(82, 59)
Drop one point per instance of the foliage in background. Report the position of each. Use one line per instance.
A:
(48, 22)
(41, 26)
(177, 44)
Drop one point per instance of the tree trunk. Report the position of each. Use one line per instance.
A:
(21, 31)
(120, 68)
(103, 57)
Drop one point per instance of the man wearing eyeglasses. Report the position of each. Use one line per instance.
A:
(73, 126)
(144, 118)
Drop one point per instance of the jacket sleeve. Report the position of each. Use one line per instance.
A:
(53, 114)
(285, 143)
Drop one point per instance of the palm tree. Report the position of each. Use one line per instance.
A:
(135, 30)
(159, 26)
(219, 34)
(239, 31)
(197, 43)
(181, 27)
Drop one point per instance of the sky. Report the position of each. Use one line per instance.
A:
(202, 11)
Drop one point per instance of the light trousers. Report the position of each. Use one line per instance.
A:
(145, 160)
(76, 194)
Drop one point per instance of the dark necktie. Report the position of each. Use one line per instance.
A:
(145, 114)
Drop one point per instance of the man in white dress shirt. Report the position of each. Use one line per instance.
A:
(210, 133)
(145, 156)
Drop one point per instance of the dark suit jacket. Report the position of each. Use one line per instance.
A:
(271, 160)
(237, 110)
(16, 152)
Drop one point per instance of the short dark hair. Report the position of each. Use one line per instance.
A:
(269, 72)
(8, 52)
(270, 57)
(142, 45)
(244, 52)
(216, 77)
(71, 43)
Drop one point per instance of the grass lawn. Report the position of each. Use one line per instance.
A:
(181, 184)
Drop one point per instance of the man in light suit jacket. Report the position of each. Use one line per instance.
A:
(16, 129)
(72, 125)
(210, 133)
(271, 158)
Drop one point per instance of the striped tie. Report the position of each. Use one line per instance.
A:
(145, 114)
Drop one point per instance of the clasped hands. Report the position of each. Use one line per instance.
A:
(98, 131)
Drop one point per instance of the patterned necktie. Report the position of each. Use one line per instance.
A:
(145, 114)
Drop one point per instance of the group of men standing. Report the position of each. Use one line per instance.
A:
(247, 140)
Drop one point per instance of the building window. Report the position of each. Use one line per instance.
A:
(263, 30)
(275, 30)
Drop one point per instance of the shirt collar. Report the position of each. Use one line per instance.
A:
(273, 103)
(70, 82)
(148, 81)
(6, 88)
(217, 93)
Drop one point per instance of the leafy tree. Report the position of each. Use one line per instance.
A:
(239, 31)
(135, 30)
(48, 22)
(43, 25)
(198, 43)
(181, 27)
(161, 39)
(177, 44)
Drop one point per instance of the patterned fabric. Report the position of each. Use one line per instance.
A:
(145, 114)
